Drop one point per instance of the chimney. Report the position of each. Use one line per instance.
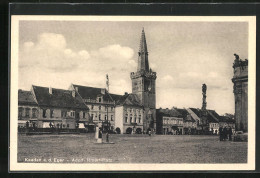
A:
(103, 91)
(73, 93)
(77, 89)
(126, 93)
(50, 90)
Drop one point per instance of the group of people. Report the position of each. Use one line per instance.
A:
(225, 133)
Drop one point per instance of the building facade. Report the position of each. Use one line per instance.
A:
(240, 80)
(129, 115)
(53, 108)
(169, 121)
(100, 103)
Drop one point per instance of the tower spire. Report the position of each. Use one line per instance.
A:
(143, 63)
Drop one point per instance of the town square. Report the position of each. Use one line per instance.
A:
(133, 92)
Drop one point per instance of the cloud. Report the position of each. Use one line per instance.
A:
(49, 61)
(50, 52)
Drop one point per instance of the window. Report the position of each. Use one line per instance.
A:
(84, 114)
(27, 112)
(112, 118)
(135, 120)
(126, 118)
(20, 110)
(99, 117)
(99, 107)
(99, 100)
(131, 118)
(51, 113)
(92, 106)
(111, 108)
(72, 113)
(44, 113)
(34, 112)
(139, 119)
(92, 115)
(68, 125)
(105, 117)
(63, 113)
(77, 115)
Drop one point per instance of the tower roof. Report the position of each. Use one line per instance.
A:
(143, 63)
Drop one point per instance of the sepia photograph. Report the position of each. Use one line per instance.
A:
(136, 93)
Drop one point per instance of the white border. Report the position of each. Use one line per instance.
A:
(14, 166)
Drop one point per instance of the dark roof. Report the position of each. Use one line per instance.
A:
(129, 99)
(184, 114)
(116, 97)
(212, 115)
(169, 112)
(59, 98)
(26, 97)
(92, 92)
(226, 119)
(196, 111)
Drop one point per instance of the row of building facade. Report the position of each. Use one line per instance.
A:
(86, 107)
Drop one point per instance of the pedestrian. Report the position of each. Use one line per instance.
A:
(230, 134)
(224, 133)
(220, 134)
(107, 137)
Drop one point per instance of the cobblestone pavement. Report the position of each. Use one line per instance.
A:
(130, 149)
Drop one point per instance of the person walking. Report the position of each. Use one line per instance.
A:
(149, 133)
(224, 133)
(220, 134)
(230, 134)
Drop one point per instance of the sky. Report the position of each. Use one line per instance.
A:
(184, 54)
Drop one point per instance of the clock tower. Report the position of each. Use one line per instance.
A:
(143, 85)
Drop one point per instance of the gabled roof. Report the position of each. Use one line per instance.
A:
(59, 98)
(129, 100)
(169, 112)
(92, 92)
(212, 115)
(26, 97)
(184, 114)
